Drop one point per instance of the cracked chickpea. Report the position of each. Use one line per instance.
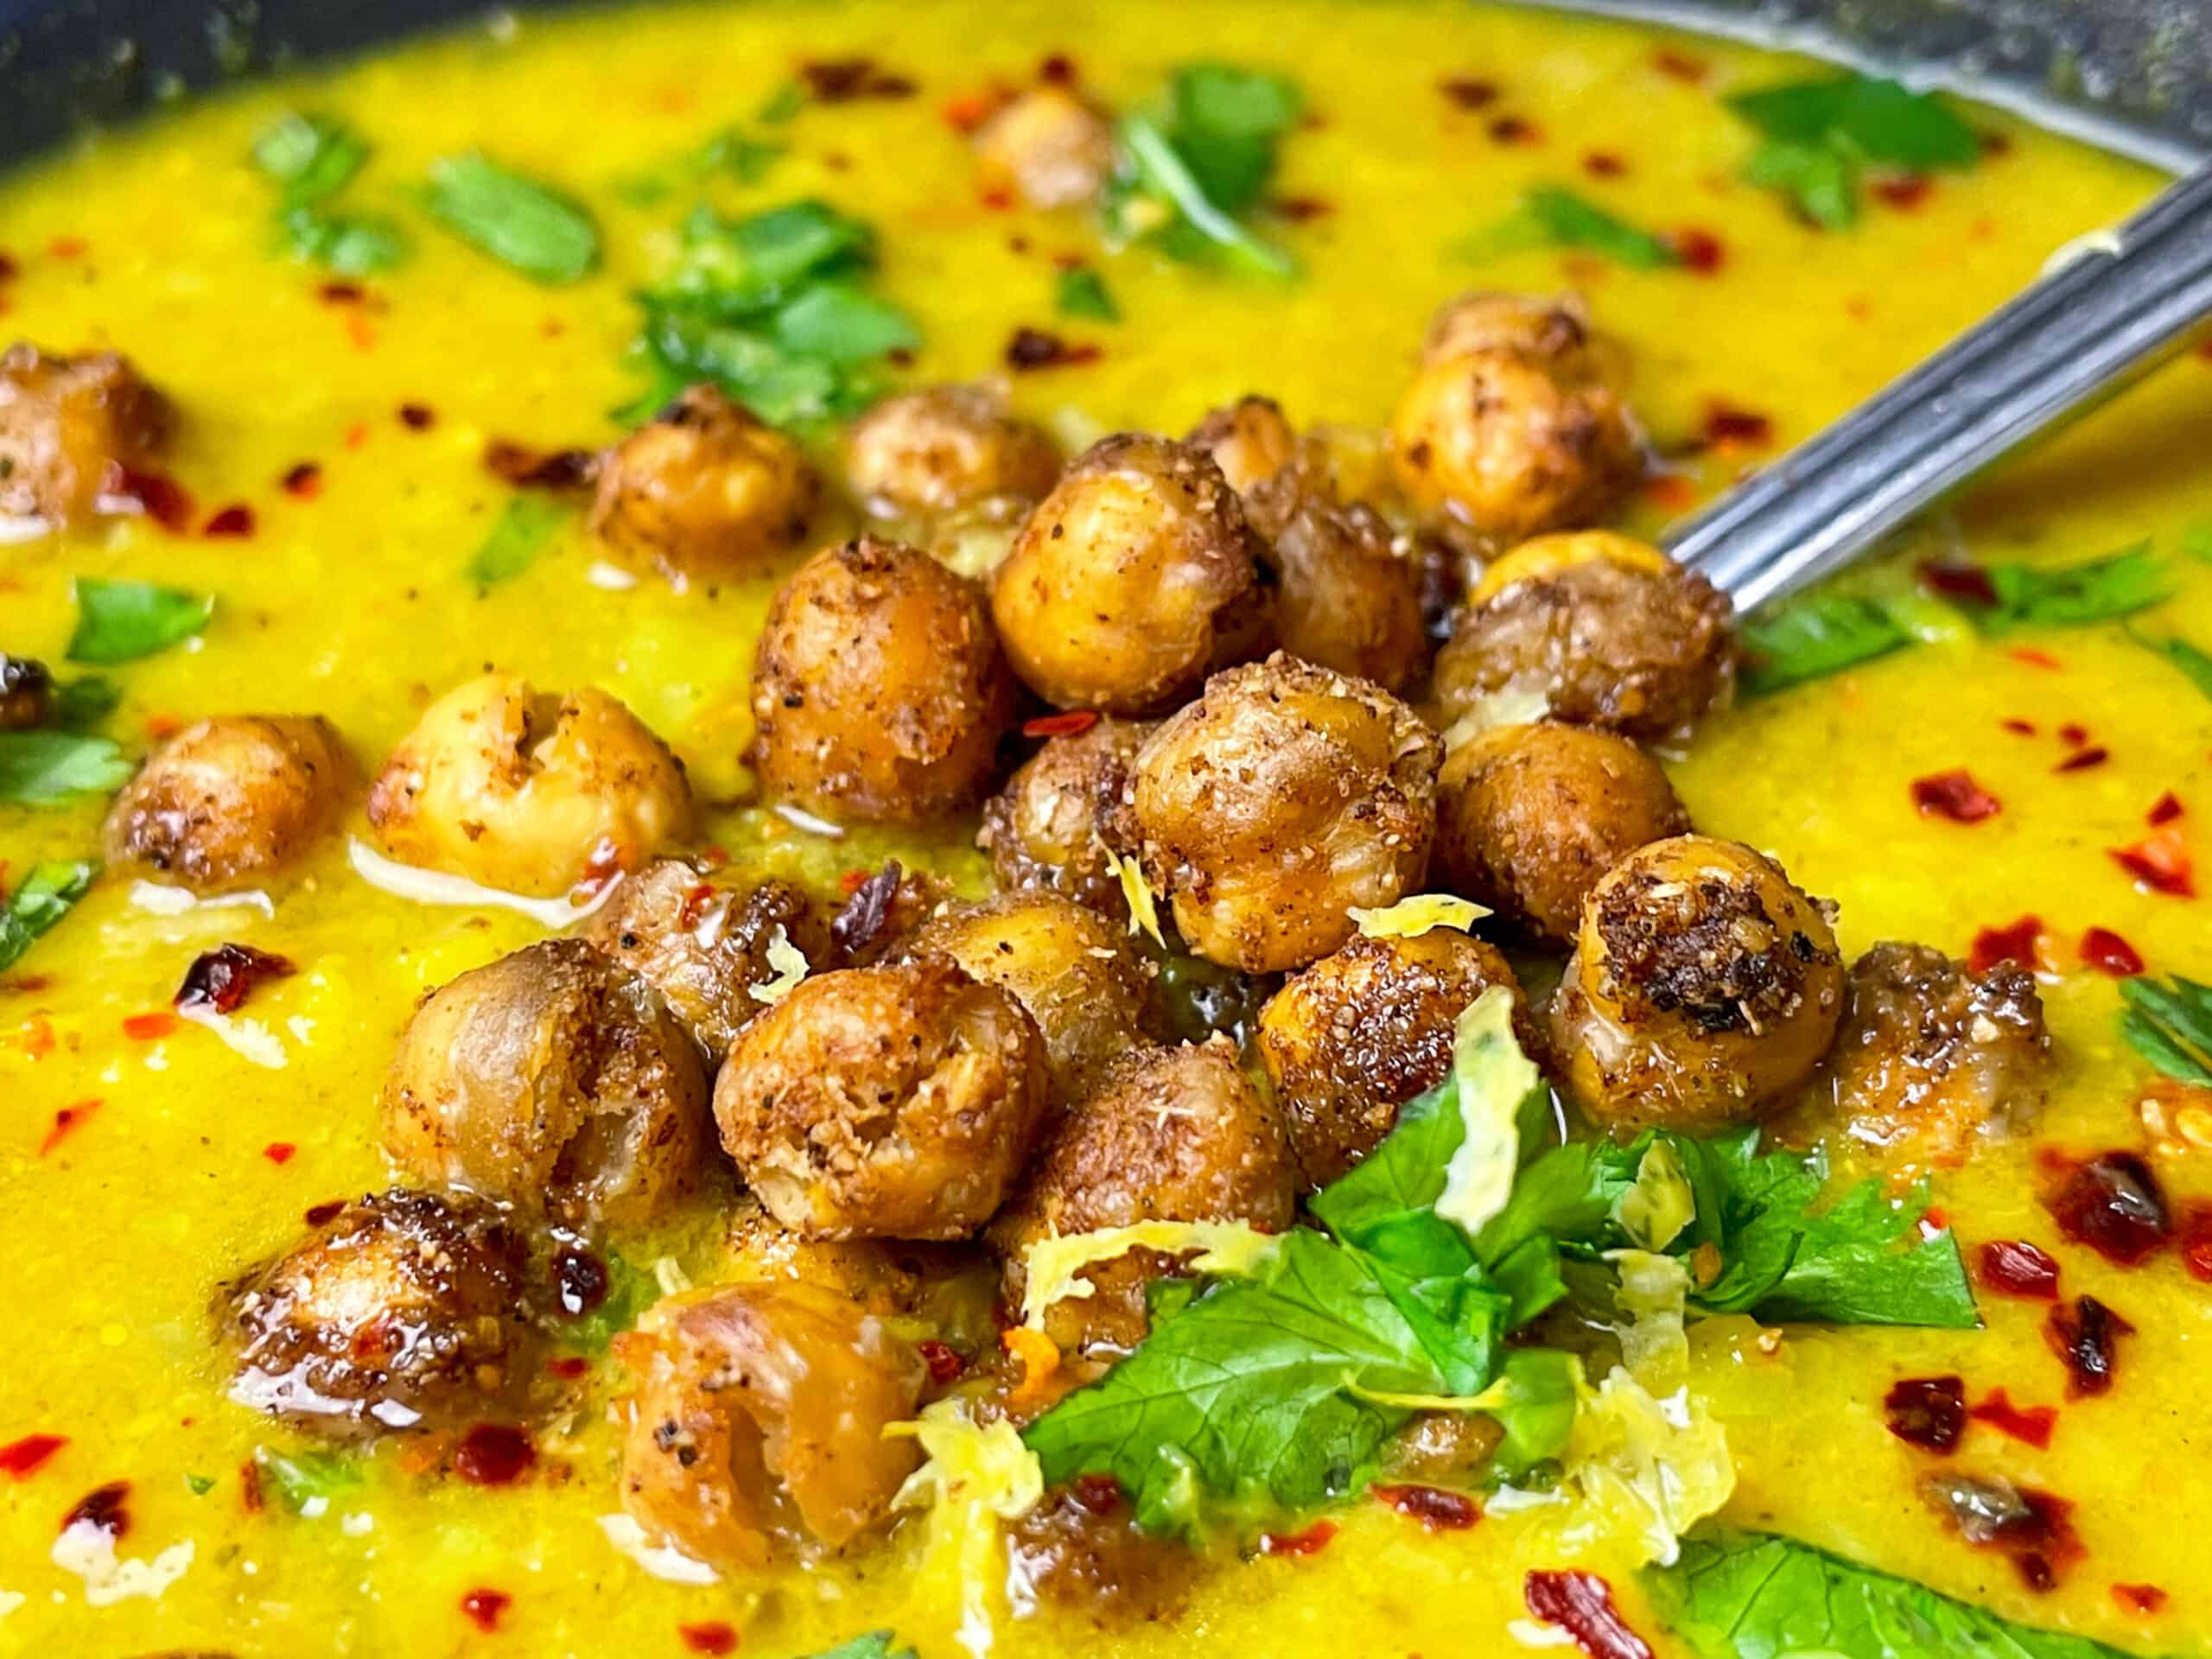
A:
(947, 450)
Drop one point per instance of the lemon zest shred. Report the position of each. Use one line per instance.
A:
(1054, 1266)
(1417, 914)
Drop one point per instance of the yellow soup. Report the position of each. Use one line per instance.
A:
(145, 1162)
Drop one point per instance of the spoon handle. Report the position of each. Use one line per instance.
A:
(2115, 306)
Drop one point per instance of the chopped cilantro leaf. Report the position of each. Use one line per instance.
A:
(1549, 217)
(520, 221)
(200, 1485)
(312, 156)
(782, 104)
(1808, 639)
(629, 1294)
(2191, 660)
(85, 701)
(1822, 182)
(876, 1644)
(306, 1482)
(2068, 595)
(1082, 293)
(46, 768)
(120, 621)
(1203, 156)
(352, 246)
(43, 898)
(2196, 541)
(525, 525)
(2170, 1025)
(1820, 134)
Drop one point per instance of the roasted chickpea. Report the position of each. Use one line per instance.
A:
(1169, 1135)
(1348, 591)
(67, 425)
(401, 1311)
(522, 790)
(756, 1431)
(26, 693)
(946, 449)
(704, 939)
(1528, 817)
(1132, 581)
(949, 1286)
(1249, 440)
(1931, 1055)
(230, 799)
(704, 491)
(878, 687)
(896, 1102)
(1048, 144)
(1362, 1031)
(1703, 990)
(1514, 423)
(1595, 629)
(1080, 1548)
(1049, 827)
(1280, 799)
(553, 1079)
(1069, 969)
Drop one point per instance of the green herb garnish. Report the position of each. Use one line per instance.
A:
(524, 526)
(1552, 218)
(47, 768)
(121, 622)
(538, 230)
(85, 701)
(1821, 134)
(312, 158)
(876, 1644)
(784, 103)
(1190, 166)
(1813, 638)
(731, 152)
(1743, 1596)
(44, 898)
(629, 1294)
(2170, 1025)
(1081, 292)
(200, 1485)
(2191, 660)
(351, 245)
(2070, 595)
(1822, 182)
(306, 1482)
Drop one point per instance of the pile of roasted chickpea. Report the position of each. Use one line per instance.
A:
(1301, 707)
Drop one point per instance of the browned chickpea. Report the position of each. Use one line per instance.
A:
(1135, 579)
(1049, 828)
(528, 792)
(704, 491)
(1528, 817)
(1362, 1031)
(230, 799)
(878, 687)
(1048, 144)
(1932, 1056)
(1703, 990)
(950, 1286)
(1250, 440)
(1080, 1547)
(1070, 968)
(1282, 798)
(66, 425)
(896, 1102)
(552, 1079)
(403, 1311)
(756, 1431)
(1595, 629)
(1169, 1135)
(946, 449)
(1348, 591)
(26, 693)
(704, 938)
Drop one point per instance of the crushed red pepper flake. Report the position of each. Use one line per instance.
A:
(417, 417)
(964, 112)
(156, 495)
(1928, 1412)
(67, 247)
(1297, 210)
(2195, 1242)
(24, 1458)
(279, 1153)
(1057, 69)
(846, 81)
(1679, 65)
(67, 1122)
(2031, 1526)
(943, 1359)
(1437, 1508)
(2030, 656)
(9, 268)
(2086, 1337)
(303, 481)
(1515, 130)
(321, 1215)
(1954, 795)
(2074, 735)
(249, 1486)
(2030, 1424)
(1701, 251)
(1604, 164)
(483, 1608)
(1905, 191)
(2164, 811)
(2159, 863)
(541, 469)
(102, 1506)
(149, 1027)
(1466, 93)
(493, 1454)
(1310, 1541)
(568, 1366)
(1727, 426)
(714, 1636)
(2083, 759)
(2108, 953)
(235, 520)
(2016, 1267)
(2018, 726)
(2112, 1203)
(1949, 579)
(2015, 942)
(220, 980)
(2140, 1597)
(1035, 348)
(1581, 1603)
(1061, 725)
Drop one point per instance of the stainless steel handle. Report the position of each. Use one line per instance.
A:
(2117, 308)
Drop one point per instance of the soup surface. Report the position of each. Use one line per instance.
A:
(146, 1161)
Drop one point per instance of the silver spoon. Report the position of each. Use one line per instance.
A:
(2109, 307)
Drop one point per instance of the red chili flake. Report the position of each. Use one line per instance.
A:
(222, 979)
(714, 1638)
(67, 1122)
(357, 435)
(149, 1027)
(236, 519)
(2016, 942)
(417, 417)
(853, 928)
(493, 1454)
(1515, 130)
(2197, 1239)
(319, 1215)
(2016, 1267)
(2074, 735)
(2033, 659)
(304, 481)
(966, 112)
(2032, 1424)
(2114, 1204)
(342, 293)
(1928, 1412)
(568, 1366)
(9, 268)
(160, 497)
(1951, 579)
(1581, 1603)
(2164, 811)
(1934, 1222)
(1954, 795)
(279, 1153)
(1727, 426)
(1034, 348)
(541, 469)
(1702, 252)
(2108, 953)
(2159, 863)
(1679, 65)
(1604, 164)
(2086, 1337)
(249, 1486)
(944, 1360)
(1312, 1542)
(484, 1606)
(2140, 1597)
(581, 1281)
(1905, 192)
(1437, 1509)
(1468, 94)
(1670, 490)
(842, 81)
(1057, 69)
(25, 1457)
(2030, 1526)
(2083, 760)
(1062, 725)
(103, 1507)
(1299, 209)
(66, 247)
(2019, 728)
